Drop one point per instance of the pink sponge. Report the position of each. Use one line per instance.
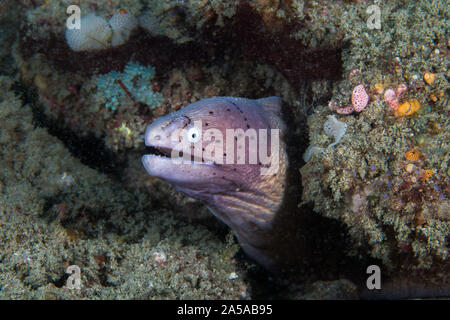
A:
(360, 98)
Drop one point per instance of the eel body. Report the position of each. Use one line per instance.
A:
(229, 153)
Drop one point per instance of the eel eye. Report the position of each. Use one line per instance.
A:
(193, 135)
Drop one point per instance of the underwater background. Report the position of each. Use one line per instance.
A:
(365, 81)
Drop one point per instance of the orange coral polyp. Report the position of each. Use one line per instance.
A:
(427, 174)
(412, 155)
(429, 77)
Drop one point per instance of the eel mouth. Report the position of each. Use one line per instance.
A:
(164, 152)
(171, 154)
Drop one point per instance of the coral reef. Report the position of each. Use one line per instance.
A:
(73, 191)
(57, 212)
(395, 203)
(373, 183)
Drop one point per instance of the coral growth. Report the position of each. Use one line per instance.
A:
(360, 99)
(394, 202)
(95, 33)
(388, 186)
(57, 212)
(133, 83)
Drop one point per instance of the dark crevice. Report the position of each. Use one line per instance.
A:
(90, 150)
(245, 36)
(297, 62)
(61, 282)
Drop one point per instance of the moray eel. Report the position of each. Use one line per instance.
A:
(233, 154)
(238, 168)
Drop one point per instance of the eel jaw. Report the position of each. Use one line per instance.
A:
(175, 170)
(165, 164)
